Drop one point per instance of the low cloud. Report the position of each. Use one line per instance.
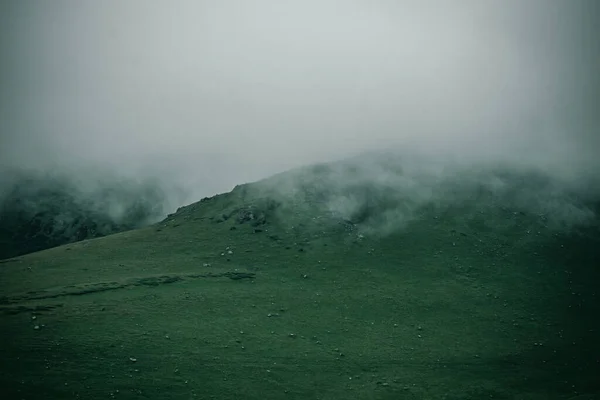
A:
(201, 96)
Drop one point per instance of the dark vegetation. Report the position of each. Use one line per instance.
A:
(39, 211)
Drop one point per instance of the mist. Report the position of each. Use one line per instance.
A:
(200, 96)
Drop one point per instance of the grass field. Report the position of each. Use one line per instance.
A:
(238, 297)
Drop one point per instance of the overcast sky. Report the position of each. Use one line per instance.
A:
(216, 93)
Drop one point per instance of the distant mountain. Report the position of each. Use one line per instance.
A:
(39, 211)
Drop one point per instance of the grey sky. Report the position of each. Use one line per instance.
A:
(215, 93)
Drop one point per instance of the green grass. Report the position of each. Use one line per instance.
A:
(460, 304)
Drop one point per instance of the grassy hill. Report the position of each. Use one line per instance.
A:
(328, 282)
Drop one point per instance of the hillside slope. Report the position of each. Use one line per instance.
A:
(328, 282)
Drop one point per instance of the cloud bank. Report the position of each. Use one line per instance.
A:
(205, 95)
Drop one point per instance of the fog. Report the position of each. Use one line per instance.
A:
(206, 95)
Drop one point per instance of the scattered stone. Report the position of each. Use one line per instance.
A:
(244, 216)
(292, 335)
(37, 327)
(132, 359)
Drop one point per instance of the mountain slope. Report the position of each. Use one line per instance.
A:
(376, 282)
